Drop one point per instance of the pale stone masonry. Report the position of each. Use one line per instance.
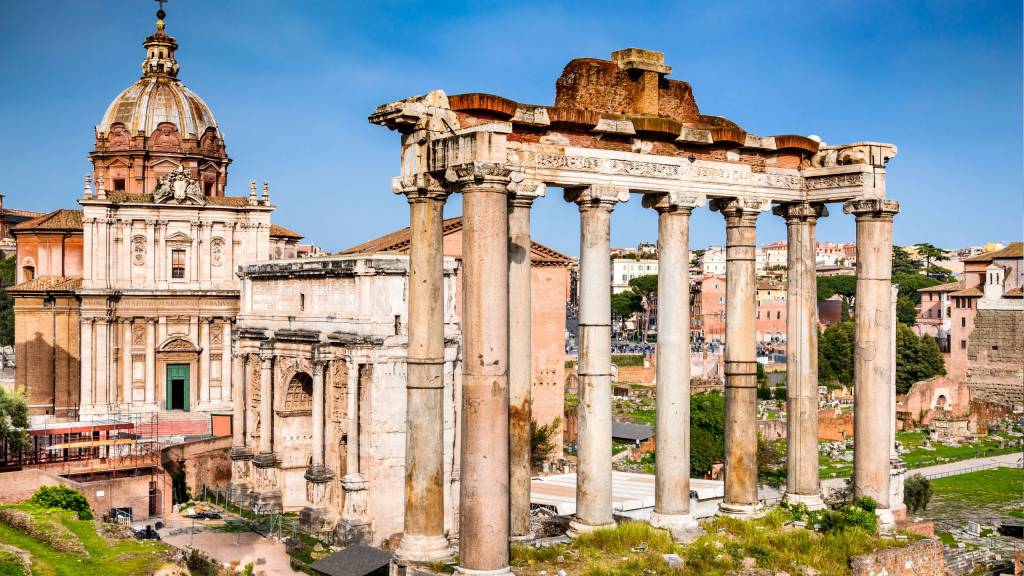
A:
(620, 127)
(323, 351)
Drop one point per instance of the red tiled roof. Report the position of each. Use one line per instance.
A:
(398, 241)
(949, 287)
(57, 220)
(278, 231)
(45, 283)
(20, 213)
(1012, 250)
(969, 293)
(1017, 292)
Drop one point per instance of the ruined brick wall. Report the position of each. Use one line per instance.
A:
(923, 557)
(996, 357)
(832, 427)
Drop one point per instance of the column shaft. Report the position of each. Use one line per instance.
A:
(352, 433)
(238, 397)
(150, 360)
(266, 403)
(594, 411)
(802, 485)
(126, 361)
(520, 369)
(423, 539)
(871, 369)
(318, 414)
(672, 451)
(484, 490)
(740, 359)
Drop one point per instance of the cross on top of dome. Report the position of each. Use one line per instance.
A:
(160, 50)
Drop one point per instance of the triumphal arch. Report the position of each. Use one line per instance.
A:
(617, 128)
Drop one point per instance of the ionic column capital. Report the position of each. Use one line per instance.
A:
(421, 187)
(800, 211)
(478, 173)
(741, 210)
(677, 201)
(872, 207)
(523, 191)
(597, 196)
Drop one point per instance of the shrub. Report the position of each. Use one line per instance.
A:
(62, 497)
(917, 492)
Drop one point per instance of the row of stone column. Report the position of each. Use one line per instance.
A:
(494, 498)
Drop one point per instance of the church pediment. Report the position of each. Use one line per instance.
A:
(177, 344)
(178, 237)
(178, 187)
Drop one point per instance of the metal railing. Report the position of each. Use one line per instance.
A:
(969, 469)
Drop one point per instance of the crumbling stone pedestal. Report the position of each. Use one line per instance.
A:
(317, 518)
(266, 495)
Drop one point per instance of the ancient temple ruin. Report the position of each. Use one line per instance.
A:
(620, 127)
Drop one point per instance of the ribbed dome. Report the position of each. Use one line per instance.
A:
(155, 99)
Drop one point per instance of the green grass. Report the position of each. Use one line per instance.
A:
(627, 360)
(119, 558)
(634, 548)
(995, 486)
(917, 457)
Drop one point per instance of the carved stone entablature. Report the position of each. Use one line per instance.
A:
(178, 187)
(872, 207)
(800, 211)
(615, 126)
(835, 181)
(597, 196)
(695, 135)
(478, 173)
(673, 201)
(177, 344)
(532, 115)
(872, 153)
(752, 204)
(429, 111)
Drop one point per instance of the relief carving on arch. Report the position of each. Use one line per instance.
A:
(338, 402)
(253, 383)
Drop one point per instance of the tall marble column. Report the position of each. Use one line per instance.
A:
(316, 518)
(240, 452)
(872, 355)
(672, 449)
(594, 427)
(423, 538)
(898, 469)
(520, 367)
(266, 496)
(484, 489)
(802, 485)
(740, 355)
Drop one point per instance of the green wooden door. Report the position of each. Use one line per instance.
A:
(177, 387)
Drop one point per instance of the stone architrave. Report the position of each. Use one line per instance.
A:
(872, 385)
(594, 436)
(423, 539)
(802, 484)
(520, 199)
(741, 499)
(672, 449)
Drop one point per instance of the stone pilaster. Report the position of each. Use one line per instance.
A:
(520, 373)
(802, 484)
(484, 491)
(672, 451)
(241, 455)
(740, 215)
(423, 539)
(266, 495)
(872, 386)
(594, 428)
(317, 518)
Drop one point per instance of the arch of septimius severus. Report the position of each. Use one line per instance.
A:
(619, 128)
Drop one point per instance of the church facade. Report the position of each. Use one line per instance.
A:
(145, 273)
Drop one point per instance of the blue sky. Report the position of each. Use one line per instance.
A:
(291, 85)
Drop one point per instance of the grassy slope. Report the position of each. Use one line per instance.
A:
(123, 558)
(635, 548)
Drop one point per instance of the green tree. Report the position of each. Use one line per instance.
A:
(780, 392)
(13, 419)
(6, 302)
(909, 284)
(902, 263)
(542, 440)
(707, 431)
(695, 257)
(647, 287)
(763, 391)
(906, 312)
(930, 253)
(771, 461)
(917, 492)
(835, 354)
(917, 358)
(844, 286)
(57, 496)
(625, 305)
